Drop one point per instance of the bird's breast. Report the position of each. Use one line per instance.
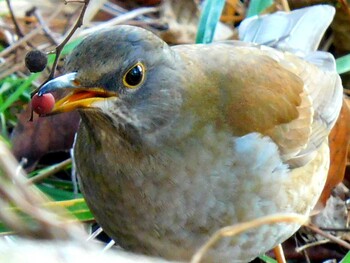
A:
(187, 190)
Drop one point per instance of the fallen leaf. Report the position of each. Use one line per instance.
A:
(33, 139)
(339, 141)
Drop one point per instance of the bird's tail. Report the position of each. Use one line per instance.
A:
(299, 31)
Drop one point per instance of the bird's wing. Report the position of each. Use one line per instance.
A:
(323, 86)
(251, 88)
(239, 87)
(296, 32)
(321, 101)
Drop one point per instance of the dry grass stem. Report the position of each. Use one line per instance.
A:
(14, 20)
(279, 254)
(233, 230)
(20, 42)
(58, 167)
(14, 191)
(332, 238)
(313, 244)
(285, 5)
(120, 19)
(45, 28)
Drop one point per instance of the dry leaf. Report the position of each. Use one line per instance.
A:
(33, 139)
(339, 141)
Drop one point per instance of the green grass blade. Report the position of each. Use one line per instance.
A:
(80, 210)
(343, 64)
(18, 92)
(210, 16)
(76, 208)
(267, 259)
(346, 259)
(257, 6)
(58, 194)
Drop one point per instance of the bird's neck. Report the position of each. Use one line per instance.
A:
(100, 129)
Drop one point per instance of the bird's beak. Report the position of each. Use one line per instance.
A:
(78, 97)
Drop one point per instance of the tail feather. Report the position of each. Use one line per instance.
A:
(299, 31)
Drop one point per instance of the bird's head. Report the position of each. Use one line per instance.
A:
(125, 76)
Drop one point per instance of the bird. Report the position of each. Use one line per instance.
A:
(176, 142)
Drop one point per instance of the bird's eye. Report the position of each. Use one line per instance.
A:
(134, 76)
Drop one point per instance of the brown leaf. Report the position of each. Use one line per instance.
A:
(33, 139)
(339, 141)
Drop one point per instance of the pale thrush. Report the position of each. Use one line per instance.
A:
(177, 142)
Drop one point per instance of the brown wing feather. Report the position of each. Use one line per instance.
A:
(251, 88)
(232, 90)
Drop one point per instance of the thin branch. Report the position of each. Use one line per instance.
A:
(328, 236)
(60, 47)
(313, 244)
(20, 41)
(14, 20)
(46, 29)
(345, 6)
(335, 229)
(121, 19)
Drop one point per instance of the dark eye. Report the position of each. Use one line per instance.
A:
(134, 76)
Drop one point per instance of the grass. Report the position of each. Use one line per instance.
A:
(210, 16)
(15, 93)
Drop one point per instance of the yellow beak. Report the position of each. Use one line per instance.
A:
(79, 97)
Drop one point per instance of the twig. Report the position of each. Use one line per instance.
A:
(11, 70)
(122, 18)
(116, 10)
(329, 236)
(60, 47)
(327, 43)
(21, 41)
(45, 28)
(28, 36)
(14, 20)
(335, 229)
(345, 6)
(58, 167)
(313, 244)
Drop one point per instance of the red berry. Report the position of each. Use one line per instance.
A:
(43, 104)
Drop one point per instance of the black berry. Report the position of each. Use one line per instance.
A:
(36, 60)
